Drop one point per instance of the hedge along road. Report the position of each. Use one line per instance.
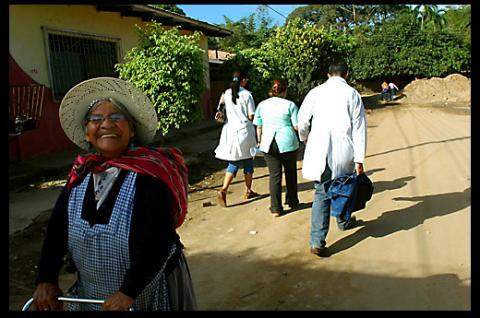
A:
(411, 253)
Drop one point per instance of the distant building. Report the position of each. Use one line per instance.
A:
(217, 56)
(217, 80)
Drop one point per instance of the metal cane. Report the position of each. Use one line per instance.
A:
(29, 302)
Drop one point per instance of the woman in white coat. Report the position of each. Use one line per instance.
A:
(238, 138)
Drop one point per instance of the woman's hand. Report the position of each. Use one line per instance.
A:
(219, 115)
(118, 302)
(46, 296)
(359, 168)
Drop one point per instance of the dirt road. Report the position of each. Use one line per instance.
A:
(411, 253)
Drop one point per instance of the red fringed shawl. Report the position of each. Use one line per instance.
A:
(165, 164)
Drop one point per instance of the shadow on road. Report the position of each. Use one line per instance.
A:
(261, 196)
(421, 144)
(376, 102)
(372, 171)
(300, 207)
(389, 222)
(379, 186)
(242, 281)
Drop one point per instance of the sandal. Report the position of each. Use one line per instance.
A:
(250, 194)
(222, 198)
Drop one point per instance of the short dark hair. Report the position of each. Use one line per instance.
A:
(338, 68)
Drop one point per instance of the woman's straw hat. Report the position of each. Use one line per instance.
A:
(76, 102)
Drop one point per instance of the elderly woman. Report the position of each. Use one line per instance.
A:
(118, 213)
(276, 121)
(237, 139)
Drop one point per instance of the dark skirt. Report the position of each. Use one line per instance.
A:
(179, 282)
(180, 293)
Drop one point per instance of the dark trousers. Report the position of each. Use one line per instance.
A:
(275, 161)
(386, 95)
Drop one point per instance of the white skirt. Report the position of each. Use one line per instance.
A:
(236, 143)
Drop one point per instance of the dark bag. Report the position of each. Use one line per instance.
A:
(364, 191)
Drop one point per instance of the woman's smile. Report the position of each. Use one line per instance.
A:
(110, 135)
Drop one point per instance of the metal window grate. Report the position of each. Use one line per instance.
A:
(74, 58)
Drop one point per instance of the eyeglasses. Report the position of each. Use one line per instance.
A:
(97, 118)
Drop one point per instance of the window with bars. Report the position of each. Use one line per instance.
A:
(74, 58)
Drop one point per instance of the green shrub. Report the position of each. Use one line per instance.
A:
(299, 52)
(169, 68)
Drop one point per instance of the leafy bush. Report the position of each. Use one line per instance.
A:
(400, 48)
(300, 52)
(169, 68)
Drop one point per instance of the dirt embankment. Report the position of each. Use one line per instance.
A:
(449, 91)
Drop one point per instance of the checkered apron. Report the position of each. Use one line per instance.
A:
(101, 252)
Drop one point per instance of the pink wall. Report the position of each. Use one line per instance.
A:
(49, 137)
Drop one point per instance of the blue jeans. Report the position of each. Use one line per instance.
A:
(393, 92)
(386, 95)
(321, 212)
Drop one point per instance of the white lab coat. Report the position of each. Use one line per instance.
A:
(338, 129)
(238, 137)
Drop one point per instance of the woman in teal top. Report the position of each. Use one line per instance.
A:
(276, 121)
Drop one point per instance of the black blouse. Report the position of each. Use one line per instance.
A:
(151, 233)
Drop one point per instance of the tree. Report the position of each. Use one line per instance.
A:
(248, 32)
(317, 14)
(352, 18)
(400, 48)
(298, 52)
(430, 16)
(387, 12)
(458, 21)
(169, 7)
(169, 68)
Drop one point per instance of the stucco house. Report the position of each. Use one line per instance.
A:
(53, 47)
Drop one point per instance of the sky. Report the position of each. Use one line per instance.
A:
(213, 14)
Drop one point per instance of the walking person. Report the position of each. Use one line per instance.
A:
(335, 146)
(385, 91)
(237, 139)
(117, 216)
(276, 121)
(393, 90)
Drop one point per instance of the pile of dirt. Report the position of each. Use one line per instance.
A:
(454, 88)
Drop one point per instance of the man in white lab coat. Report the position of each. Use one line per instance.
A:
(331, 122)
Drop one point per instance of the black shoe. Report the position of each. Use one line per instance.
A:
(276, 212)
(352, 223)
(319, 251)
(292, 205)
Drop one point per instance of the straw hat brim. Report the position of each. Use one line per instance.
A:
(74, 107)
